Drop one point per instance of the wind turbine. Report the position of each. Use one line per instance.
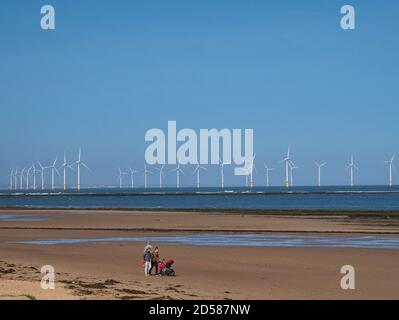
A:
(121, 173)
(197, 171)
(251, 170)
(178, 170)
(34, 176)
(350, 167)
(64, 167)
(11, 176)
(21, 178)
(16, 179)
(221, 173)
(292, 168)
(319, 166)
(267, 174)
(27, 174)
(132, 172)
(288, 162)
(42, 173)
(53, 169)
(161, 175)
(79, 163)
(391, 167)
(27, 177)
(146, 171)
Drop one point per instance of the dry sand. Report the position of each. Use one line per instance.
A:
(113, 271)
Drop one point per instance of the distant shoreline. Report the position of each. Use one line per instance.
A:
(285, 212)
(191, 193)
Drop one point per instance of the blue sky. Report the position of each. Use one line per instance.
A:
(114, 69)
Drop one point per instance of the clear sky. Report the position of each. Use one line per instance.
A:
(114, 69)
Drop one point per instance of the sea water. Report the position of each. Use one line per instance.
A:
(324, 198)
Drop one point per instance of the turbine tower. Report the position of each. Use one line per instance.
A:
(132, 172)
(319, 166)
(197, 171)
(27, 177)
(221, 173)
(34, 176)
(11, 176)
(146, 171)
(79, 163)
(27, 174)
(64, 167)
(251, 170)
(178, 170)
(267, 174)
(350, 167)
(391, 168)
(288, 163)
(42, 173)
(21, 178)
(16, 179)
(121, 173)
(53, 169)
(161, 175)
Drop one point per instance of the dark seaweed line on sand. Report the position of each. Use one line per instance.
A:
(374, 213)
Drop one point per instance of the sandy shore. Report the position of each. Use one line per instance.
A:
(113, 271)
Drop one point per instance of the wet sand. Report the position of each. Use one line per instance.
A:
(113, 271)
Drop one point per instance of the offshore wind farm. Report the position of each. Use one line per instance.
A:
(161, 186)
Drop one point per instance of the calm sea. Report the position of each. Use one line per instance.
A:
(327, 198)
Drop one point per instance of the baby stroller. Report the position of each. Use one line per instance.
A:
(165, 268)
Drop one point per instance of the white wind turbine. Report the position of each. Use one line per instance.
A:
(64, 167)
(146, 171)
(197, 171)
(251, 172)
(132, 172)
(288, 163)
(53, 170)
(121, 173)
(79, 163)
(178, 171)
(42, 174)
(11, 176)
(319, 166)
(222, 164)
(27, 177)
(16, 179)
(21, 178)
(34, 170)
(391, 168)
(350, 167)
(292, 168)
(247, 178)
(161, 175)
(267, 174)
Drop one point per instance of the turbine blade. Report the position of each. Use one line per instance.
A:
(83, 164)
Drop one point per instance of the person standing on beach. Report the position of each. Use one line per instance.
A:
(154, 260)
(147, 260)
